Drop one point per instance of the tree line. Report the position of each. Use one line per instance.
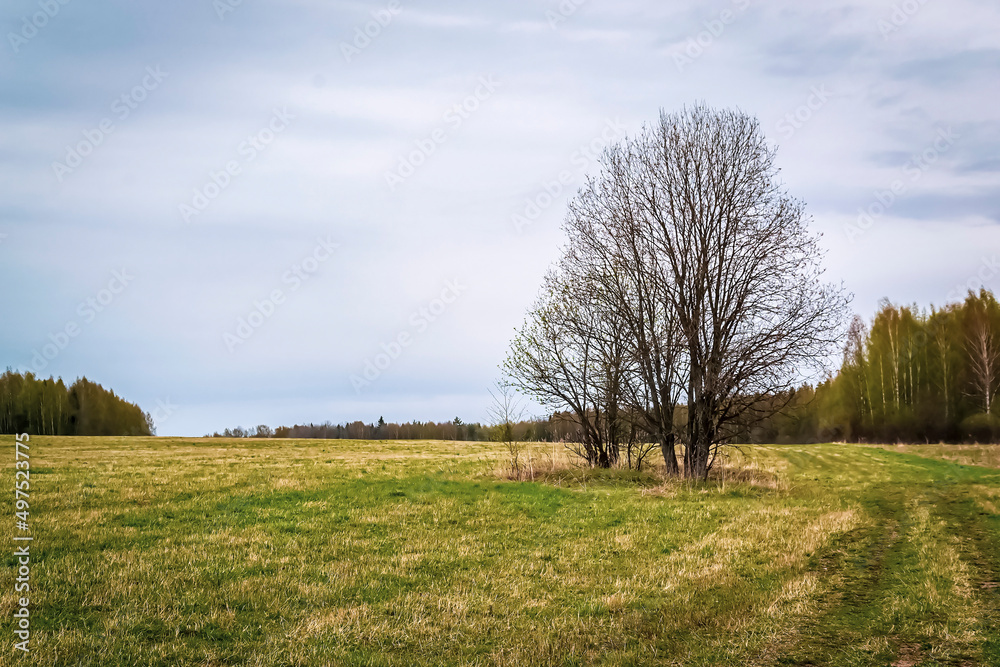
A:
(29, 404)
(910, 375)
(558, 427)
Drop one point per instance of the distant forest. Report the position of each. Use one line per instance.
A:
(555, 428)
(47, 407)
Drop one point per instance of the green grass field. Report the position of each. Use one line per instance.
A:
(164, 551)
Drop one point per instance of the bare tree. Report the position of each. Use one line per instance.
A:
(941, 338)
(690, 277)
(565, 357)
(611, 249)
(747, 292)
(984, 361)
(856, 366)
(504, 413)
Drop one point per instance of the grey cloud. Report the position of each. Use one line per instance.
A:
(950, 71)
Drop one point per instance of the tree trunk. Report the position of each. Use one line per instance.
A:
(700, 438)
(669, 455)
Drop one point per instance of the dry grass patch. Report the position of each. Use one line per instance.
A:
(970, 455)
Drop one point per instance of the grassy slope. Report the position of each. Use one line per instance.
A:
(177, 552)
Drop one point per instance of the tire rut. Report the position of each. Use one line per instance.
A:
(853, 567)
(979, 547)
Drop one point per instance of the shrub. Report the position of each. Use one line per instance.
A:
(981, 427)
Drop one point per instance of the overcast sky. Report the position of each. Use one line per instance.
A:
(367, 175)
